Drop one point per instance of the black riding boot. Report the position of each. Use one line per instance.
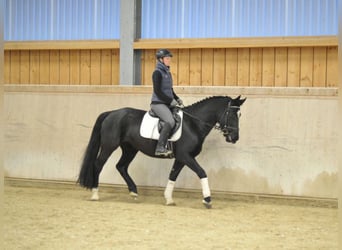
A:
(161, 149)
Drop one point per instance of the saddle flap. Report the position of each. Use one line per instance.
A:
(149, 127)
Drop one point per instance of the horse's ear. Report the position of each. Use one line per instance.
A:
(239, 101)
(242, 101)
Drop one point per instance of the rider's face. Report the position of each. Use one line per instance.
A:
(167, 60)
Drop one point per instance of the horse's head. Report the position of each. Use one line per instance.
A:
(229, 121)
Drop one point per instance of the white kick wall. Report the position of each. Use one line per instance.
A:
(288, 138)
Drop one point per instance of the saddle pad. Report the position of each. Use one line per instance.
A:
(149, 127)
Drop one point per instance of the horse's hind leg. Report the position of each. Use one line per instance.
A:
(99, 163)
(128, 154)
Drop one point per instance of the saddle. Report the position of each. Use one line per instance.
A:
(151, 125)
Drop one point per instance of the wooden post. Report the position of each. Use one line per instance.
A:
(130, 29)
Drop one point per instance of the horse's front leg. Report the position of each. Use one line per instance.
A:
(206, 192)
(176, 169)
(194, 166)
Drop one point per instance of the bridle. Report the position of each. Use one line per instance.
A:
(225, 129)
(224, 116)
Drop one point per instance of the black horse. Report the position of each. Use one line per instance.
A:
(120, 128)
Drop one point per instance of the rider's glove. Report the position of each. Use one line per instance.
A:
(180, 103)
(174, 103)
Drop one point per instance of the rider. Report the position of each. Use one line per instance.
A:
(164, 98)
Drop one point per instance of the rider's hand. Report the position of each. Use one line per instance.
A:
(174, 103)
(180, 102)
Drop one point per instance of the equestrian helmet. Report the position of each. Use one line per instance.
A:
(163, 53)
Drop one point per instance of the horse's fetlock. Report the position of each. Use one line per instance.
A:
(207, 199)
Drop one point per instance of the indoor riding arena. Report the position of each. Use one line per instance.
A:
(68, 61)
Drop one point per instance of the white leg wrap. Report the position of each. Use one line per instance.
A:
(95, 194)
(168, 192)
(205, 187)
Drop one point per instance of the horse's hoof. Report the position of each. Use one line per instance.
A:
(94, 197)
(170, 203)
(133, 195)
(95, 194)
(207, 204)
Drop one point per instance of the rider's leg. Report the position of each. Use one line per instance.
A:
(163, 137)
(164, 113)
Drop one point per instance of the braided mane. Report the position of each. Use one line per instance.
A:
(203, 101)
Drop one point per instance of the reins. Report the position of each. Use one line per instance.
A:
(198, 119)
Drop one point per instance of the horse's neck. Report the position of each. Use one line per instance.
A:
(206, 116)
(209, 112)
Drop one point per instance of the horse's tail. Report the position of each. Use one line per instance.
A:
(87, 171)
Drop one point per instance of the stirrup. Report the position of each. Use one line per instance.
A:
(163, 152)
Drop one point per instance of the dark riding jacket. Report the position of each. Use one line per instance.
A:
(162, 85)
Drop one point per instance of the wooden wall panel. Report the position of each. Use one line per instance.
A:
(24, 67)
(255, 67)
(174, 67)
(14, 66)
(319, 67)
(64, 67)
(34, 67)
(195, 67)
(332, 67)
(115, 67)
(44, 67)
(231, 67)
(149, 64)
(268, 66)
(75, 66)
(95, 67)
(280, 67)
(219, 67)
(106, 67)
(306, 67)
(293, 67)
(85, 67)
(7, 66)
(183, 67)
(243, 67)
(54, 67)
(207, 67)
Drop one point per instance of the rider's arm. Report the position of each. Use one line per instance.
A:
(174, 95)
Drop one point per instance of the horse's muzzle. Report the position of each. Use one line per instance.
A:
(231, 138)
